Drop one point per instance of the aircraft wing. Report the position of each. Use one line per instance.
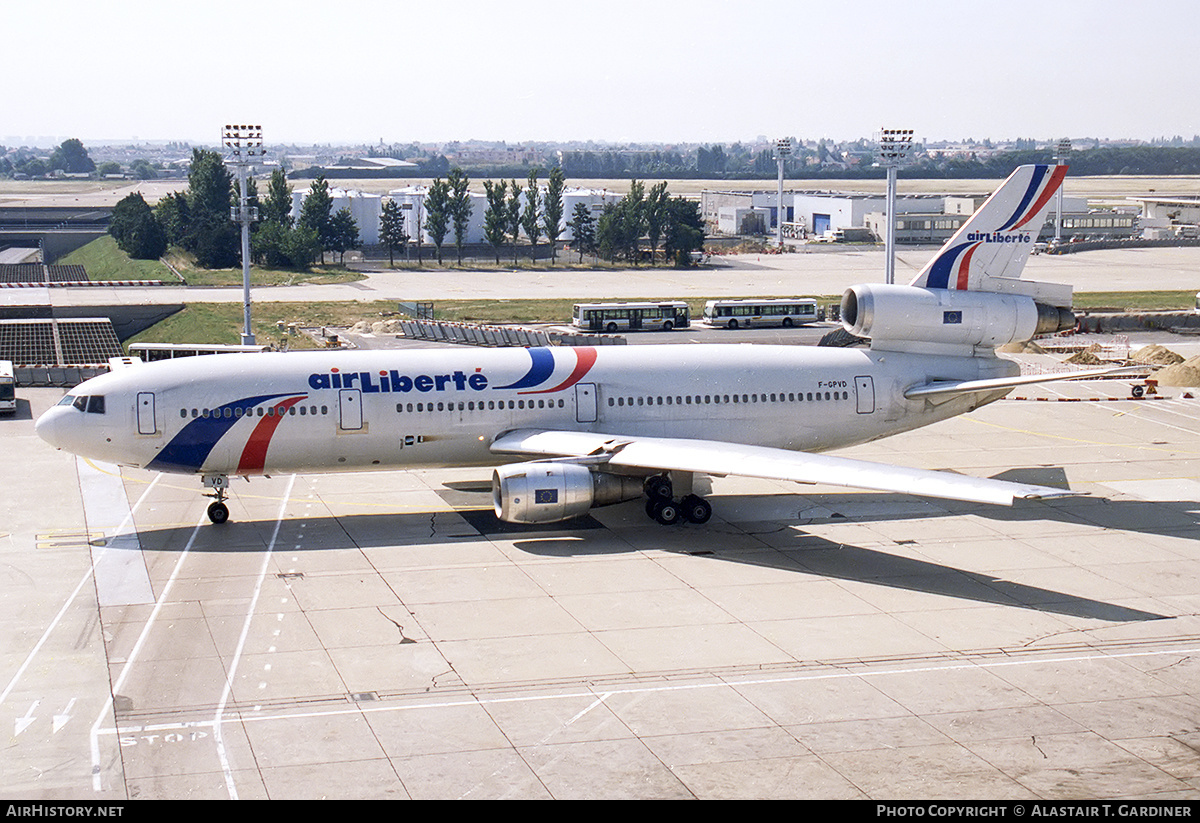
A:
(722, 459)
(945, 388)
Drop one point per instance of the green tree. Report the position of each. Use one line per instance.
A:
(391, 228)
(72, 157)
(583, 228)
(174, 215)
(684, 230)
(495, 218)
(437, 214)
(136, 229)
(529, 216)
(211, 235)
(316, 213)
(513, 215)
(277, 205)
(343, 233)
(460, 207)
(633, 211)
(611, 231)
(655, 213)
(552, 210)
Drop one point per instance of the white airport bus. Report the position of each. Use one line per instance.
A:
(733, 314)
(613, 317)
(8, 388)
(168, 351)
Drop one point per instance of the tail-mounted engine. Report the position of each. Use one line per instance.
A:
(966, 318)
(549, 492)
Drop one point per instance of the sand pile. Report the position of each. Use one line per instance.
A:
(1085, 358)
(1186, 373)
(1026, 347)
(1155, 355)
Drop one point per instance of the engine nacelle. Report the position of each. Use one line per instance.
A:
(549, 492)
(970, 318)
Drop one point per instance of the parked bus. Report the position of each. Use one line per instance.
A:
(150, 352)
(734, 314)
(613, 317)
(8, 388)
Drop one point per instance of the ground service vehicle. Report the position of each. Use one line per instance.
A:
(735, 314)
(615, 317)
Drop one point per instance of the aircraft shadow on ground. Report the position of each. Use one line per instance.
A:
(788, 548)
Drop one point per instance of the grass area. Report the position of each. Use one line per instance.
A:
(1136, 301)
(104, 261)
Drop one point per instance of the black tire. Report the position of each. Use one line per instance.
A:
(787, 322)
(658, 488)
(667, 326)
(696, 509)
(667, 512)
(732, 324)
(611, 328)
(218, 513)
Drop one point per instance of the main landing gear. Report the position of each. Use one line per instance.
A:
(662, 506)
(218, 512)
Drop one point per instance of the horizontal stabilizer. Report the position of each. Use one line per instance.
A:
(945, 388)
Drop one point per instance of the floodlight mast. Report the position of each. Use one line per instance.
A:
(894, 146)
(244, 144)
(783, 149)
(1060, 155)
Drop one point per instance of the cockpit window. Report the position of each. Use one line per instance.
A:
(92, 404)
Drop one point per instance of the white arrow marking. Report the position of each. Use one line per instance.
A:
(25, 722)
(60, 720)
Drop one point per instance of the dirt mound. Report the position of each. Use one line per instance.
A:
(1186, 373)
(1085, 358)
(1155, 355)
(1026, 347)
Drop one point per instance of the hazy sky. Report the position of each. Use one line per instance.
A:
(613, 70)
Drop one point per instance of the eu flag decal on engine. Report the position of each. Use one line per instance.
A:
(545, 496)
(951, 318)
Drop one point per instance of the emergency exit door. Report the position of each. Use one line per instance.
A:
(350, 413)
(145, 413)
(864, 388)
(585, 402)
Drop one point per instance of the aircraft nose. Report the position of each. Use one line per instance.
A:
(48, 424)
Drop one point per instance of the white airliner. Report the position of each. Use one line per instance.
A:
(574, 428)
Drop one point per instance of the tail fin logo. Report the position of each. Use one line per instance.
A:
(996, 240)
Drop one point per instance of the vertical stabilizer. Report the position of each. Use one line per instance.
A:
(990, 250)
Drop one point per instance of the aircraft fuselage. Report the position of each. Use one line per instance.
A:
(363, 410)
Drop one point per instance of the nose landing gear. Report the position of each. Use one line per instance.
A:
(218, 512)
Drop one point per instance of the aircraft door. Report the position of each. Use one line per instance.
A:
(350, 412)
(585, 402)
(864, 390)
(145, 413)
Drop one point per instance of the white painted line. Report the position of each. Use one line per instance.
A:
(219, 738)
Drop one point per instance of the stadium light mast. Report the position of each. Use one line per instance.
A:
(894, 146)
(1060, 156)
(244, 144)
(783, 149)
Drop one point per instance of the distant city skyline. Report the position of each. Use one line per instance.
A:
(643, 72)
